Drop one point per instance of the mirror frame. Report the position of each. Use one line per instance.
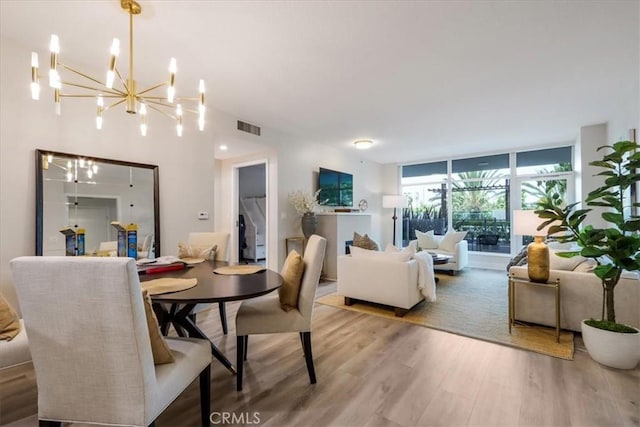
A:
(41, 155)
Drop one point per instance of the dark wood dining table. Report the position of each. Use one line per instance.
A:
(176, 308)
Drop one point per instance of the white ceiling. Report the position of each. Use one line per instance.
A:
(422, 79)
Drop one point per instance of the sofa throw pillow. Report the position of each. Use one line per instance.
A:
(451, 239)
(159, 347)
(400, 256)
(586, 266)
(557, 262)
(365, 242)
(291, 273)
(9, 321)
(519, 259)
(409, 250)
(426, 240)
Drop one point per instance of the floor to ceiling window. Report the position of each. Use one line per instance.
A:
(478, 194)
(425, 186)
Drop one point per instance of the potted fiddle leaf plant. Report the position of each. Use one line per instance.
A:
(615, 248)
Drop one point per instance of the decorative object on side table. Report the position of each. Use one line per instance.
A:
(305, 204)
(615, 249)
(527, 223)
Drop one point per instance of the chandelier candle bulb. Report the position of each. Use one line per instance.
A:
(35, 85)
(56, 99)
(179, 120)
(143, 119)
(54, 77)
(100, 110)
(111, 75)
(171, 90)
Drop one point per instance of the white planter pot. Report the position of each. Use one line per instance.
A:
(612, 349)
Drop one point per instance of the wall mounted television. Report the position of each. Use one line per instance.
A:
(336, 188)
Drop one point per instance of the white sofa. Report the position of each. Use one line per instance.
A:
(581, 298)
(459, 257)
(385, 282)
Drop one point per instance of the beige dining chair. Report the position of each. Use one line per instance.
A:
(263, 315)
(90, 344)
(221, 240)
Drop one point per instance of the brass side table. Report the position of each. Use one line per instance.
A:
(512, 299)
(297, 243)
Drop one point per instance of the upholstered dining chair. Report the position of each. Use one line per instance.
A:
(221, 240)
(91, 347)
(264, 315)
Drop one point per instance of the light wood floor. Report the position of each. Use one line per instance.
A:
(378, 372)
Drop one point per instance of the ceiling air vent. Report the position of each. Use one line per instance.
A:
(248, 127)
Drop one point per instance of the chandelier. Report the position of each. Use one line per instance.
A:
(136, 101)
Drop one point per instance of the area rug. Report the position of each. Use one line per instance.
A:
(474, 304)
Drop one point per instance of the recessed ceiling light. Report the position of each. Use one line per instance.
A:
(363, 144)
(223, 147)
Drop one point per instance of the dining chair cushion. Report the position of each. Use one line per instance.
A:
(9, 321)
(189, 362)
(291, 273)
(159, 348)
(264, 315)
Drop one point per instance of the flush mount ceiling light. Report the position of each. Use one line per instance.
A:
(363, 144)
(136, 101)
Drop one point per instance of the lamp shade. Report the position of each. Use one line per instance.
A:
(395, 201)
(525, 223)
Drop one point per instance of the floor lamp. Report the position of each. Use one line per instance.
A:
(394, 201)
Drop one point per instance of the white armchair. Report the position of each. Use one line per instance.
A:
(387, 282)
(459, 256)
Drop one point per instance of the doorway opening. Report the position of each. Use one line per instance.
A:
(252, 213)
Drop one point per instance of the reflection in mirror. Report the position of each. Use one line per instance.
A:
(83, 192)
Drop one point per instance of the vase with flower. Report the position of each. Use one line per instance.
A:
(304, 203)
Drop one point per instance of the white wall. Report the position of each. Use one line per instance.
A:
(186, 165)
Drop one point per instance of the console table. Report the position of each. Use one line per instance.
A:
(512, 299)
(338, 228)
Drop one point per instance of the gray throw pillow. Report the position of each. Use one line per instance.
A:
(519, 259)
(365, 242)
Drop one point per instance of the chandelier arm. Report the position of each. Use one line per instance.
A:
(80, 95)
(115, 104)
(186, 98)
(159, 110)
(155, 100)
(114, 92)
(189, 110)
(150, 100)
(80, 73)
(152, 88)
(122, 80)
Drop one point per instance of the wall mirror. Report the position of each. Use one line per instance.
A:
(88, 192)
